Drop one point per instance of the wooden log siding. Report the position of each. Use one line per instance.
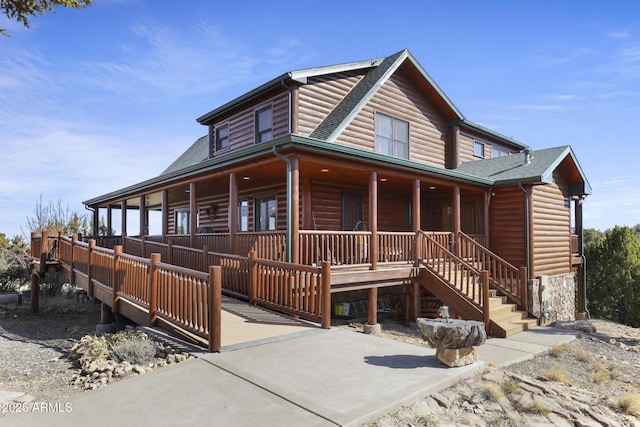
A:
(507, 225)
(320, 96)
(551, 221)
(398, 97)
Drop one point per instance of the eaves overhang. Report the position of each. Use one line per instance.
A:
(288, 141)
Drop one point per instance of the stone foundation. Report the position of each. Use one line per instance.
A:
(553, 298)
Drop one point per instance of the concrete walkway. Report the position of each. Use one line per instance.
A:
(324, 378)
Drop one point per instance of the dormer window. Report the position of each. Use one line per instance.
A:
(222, 137)
(392, 136)
(264, 124)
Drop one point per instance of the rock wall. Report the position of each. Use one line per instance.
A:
(553, 298)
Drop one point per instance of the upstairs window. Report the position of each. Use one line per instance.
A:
(222, 137)
(497, 151)
(264, 124)
(478, 149)
(392, 136)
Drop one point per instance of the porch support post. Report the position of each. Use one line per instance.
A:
(581, 306)
(455, 217)
(123, 214)
(487, 201)
(143, 216)
(165, 213)
(372, 326)
(96, 221)
(373, 219)
(307, 218)
(232, 219)
(294, 210)
(193, 213)
(109, 221)
(415, 204)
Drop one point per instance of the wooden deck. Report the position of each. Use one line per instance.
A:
(185, 294)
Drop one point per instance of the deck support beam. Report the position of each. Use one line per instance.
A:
(295, 210)
(581, 312)
(415, 204)
(143, 216)
(165, 212)
(123, 214)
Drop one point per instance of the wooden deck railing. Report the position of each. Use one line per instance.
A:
(339, 248)
(299, 290)
(183, 298)
(396, 247)
(509, 280)
(467, 280)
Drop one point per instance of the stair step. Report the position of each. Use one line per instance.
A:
(515, 326)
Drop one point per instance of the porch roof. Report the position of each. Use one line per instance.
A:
(172, 176)
(513, 169)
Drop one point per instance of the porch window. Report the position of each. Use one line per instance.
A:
(264, 124)
(392, 136)
(182, 221)
(222, 137)
(478, 149)
(243, 215)
(266, 209)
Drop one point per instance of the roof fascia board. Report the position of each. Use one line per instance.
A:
(299, 76)
(303, 75)
(245, 97)
(356, 110)
(464, 123)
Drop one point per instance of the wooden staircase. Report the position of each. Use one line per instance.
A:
(459, 282)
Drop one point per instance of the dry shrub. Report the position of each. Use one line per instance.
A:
(559, 375)
(510, 386)
(491, 391)
(559, 350)
(630, 403)
(136, 352)
(584, 356)
(602, 373)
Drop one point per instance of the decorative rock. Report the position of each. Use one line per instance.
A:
(453, 333)
(374, 329)
(578, 325)
(454, 357)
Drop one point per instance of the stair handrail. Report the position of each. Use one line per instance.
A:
(431, 258)
(503, 276)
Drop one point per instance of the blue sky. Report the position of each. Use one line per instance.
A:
(97, 99)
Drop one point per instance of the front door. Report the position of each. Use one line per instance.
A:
(352, 212)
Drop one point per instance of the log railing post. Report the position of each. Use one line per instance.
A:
(169, 251)
(215, 308)
(92, 245)
(205, 258)
(44, 248)
(486, 313)
(524, 288)
(153, 288)
(117, 251)
(72, 273)
(253, 277)
(325, 293)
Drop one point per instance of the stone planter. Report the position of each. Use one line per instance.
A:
(453, 339)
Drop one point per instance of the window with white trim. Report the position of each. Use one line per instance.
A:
(392, 136)
(243, 215)
(497, 151)
(478, 149)
(182, 219)
(264, 124)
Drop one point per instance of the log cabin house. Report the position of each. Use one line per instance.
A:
(368, 167)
